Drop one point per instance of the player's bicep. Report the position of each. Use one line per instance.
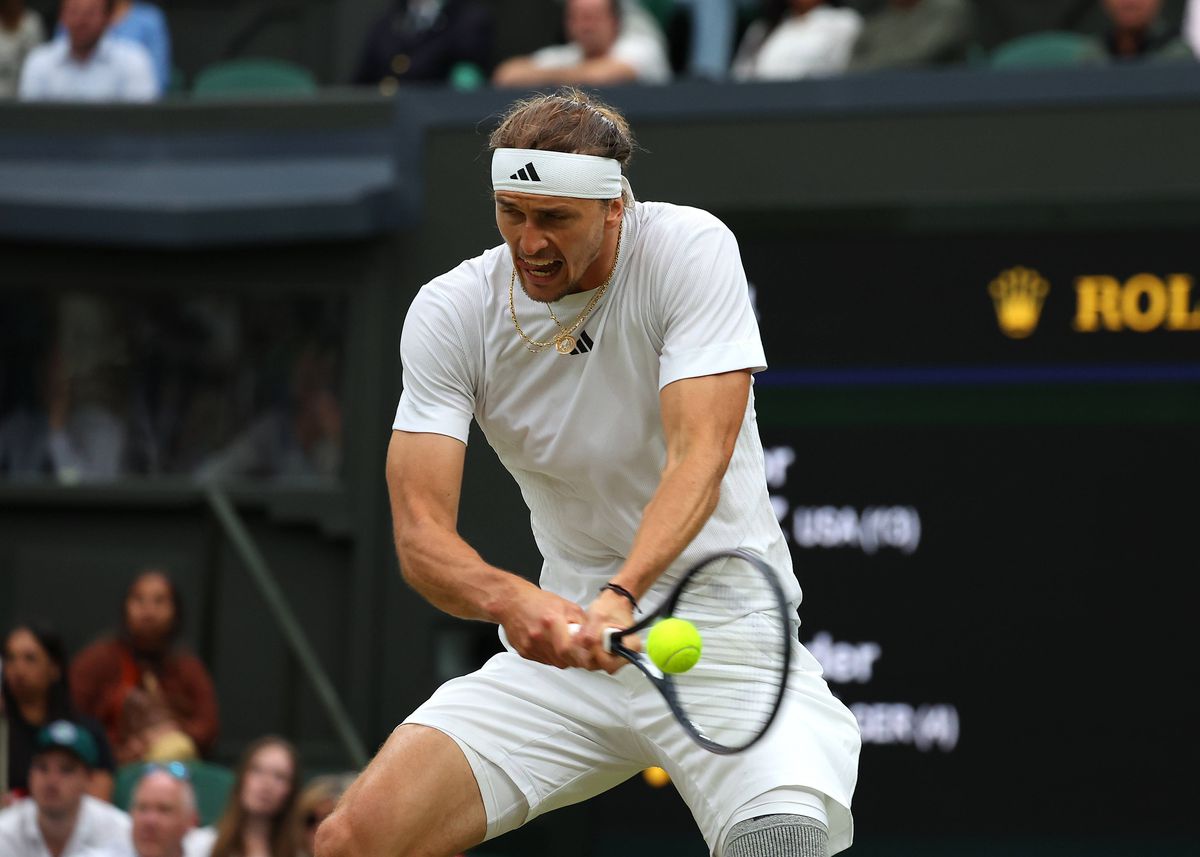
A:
(424, 478)
(702, 416)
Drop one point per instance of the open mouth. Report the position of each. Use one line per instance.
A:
(544, 271)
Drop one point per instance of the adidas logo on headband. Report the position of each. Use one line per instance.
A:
(527, 173)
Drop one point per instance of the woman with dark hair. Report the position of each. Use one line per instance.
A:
(155, 699)
(35, 693)
(259, 819)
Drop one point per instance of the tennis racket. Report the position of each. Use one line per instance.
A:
(729, 699)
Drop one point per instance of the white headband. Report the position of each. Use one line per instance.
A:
(556, 174)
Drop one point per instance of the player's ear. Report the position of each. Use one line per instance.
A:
(616, 210)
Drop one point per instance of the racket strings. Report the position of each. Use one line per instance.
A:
(732, 693)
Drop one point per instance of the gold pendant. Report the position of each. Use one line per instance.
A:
(565, 344)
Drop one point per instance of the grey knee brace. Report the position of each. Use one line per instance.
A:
(778, 836)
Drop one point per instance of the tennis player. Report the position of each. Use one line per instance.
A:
(606, 350)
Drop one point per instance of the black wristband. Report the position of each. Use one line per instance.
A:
(621, 590)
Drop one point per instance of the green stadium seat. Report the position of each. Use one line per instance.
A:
(1048, 49)
(211, 782)
(253, 77)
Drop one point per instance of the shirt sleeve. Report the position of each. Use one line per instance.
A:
(31, 86)
(644, 55)
(708, 321)
(439, 387)
(159, 45)
(141, 83)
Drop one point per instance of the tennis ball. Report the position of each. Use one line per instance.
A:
(656, 777)
(673, 645)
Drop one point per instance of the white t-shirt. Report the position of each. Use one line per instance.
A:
(638, 50)
(582, 434)
(15, 45)
(99, 828)
(817, 43)
(117, 70)
(197, 842)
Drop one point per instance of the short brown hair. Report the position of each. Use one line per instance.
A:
(567, 120)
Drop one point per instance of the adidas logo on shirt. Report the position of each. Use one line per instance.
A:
(583, 344)
(527, 173)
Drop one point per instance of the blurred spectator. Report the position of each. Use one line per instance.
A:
(88, 390)
(423, 40)
(908, 33)
(259, 819)
(1137, 30)
(85, 65)
(34, 694)
(163, 809)
(26, 331)
(598, 52)
(1191, 26)
(144, 24)
(60, 818)
(314, 805)
(713, 25)
(300, 438)
(20, 32)
(797, 38)
(156, 700)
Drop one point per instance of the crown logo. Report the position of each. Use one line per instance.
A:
(1018, 294)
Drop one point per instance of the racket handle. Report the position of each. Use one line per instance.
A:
(609, 633)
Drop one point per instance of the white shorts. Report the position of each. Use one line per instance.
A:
(562, 736)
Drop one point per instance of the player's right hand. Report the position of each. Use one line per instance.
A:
(537, 626)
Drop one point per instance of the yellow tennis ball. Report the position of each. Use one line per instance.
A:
(656, 777)
(674, 645)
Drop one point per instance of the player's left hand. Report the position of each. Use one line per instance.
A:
(609, 610)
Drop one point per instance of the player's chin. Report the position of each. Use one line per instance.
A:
(546, 289)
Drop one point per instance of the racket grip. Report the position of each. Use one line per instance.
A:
(609, 633)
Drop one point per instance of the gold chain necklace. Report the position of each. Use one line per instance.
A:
(564, 340)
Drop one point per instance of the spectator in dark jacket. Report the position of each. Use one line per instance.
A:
(156, 700)
(421, 41)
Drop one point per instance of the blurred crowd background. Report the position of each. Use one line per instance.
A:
(122, 736)
(94, 386)
(108, 749)
(135, 50)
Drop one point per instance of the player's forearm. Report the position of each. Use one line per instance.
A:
(686, 497)
(452, 576)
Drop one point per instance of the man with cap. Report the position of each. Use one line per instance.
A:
(605, 348)
(60, 819)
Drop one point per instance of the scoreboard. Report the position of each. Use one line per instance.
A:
(983, 451)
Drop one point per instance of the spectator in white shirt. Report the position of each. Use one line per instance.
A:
(164, 815)
(85, 65)
(797, 38)
(598, 53)
(60, 819)
(1191, 26)
(20, 32)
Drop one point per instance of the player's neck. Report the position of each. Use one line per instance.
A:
(599, 271)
